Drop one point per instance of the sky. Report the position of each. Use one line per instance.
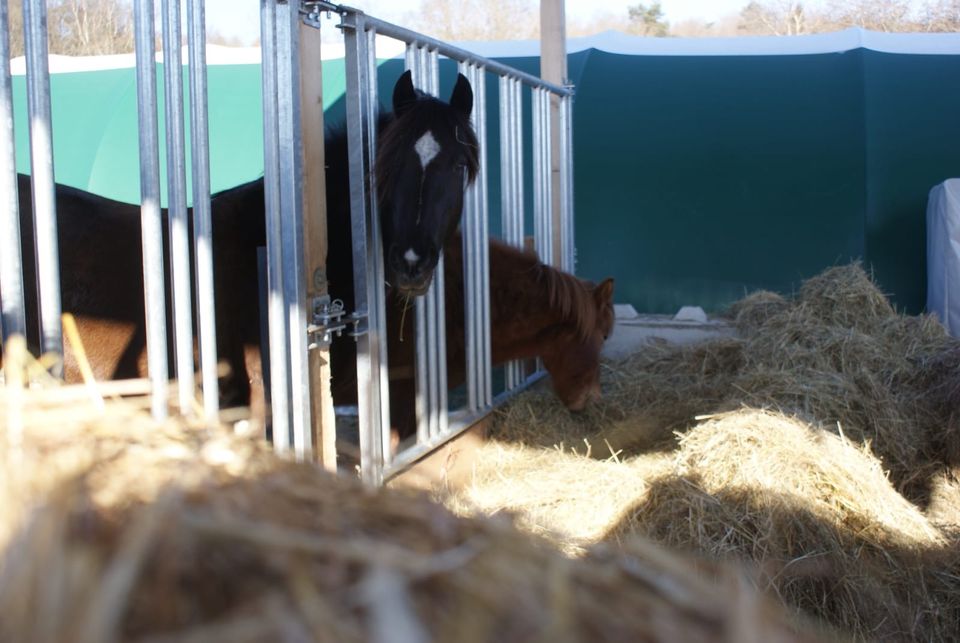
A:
(241, 19)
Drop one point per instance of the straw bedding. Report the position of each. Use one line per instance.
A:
(819, 447)
(114, 527)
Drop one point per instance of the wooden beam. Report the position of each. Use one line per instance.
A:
(315, 237)
(553, 69)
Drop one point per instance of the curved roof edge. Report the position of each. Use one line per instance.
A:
(613, 42)
(616, 42)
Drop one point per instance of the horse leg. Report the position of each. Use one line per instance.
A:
(106, 344)
(256, 387)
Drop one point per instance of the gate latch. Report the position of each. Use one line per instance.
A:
(326, 321)
(310, 11)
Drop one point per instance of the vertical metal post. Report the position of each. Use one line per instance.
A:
(283, 178)
(542, 201)
(279, 384)
(150, 216)
(422, 359)
(13, 318)
(566, 185)
(177, 222)
(476, 259)
(511, 181)
(378, 317)
(202, 228)
(367, 253)
(431, 360)
(41, 169)
(291, 202)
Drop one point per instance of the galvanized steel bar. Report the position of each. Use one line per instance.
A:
(41, 170)
(566, 185)
(291, 208)
(13, 319)
(455, 53)
(279, 383)
(151, 222)
(511, 182)
(542, 202)
(476, 259)
(378, 318)
(439, 286)
(367, 255)
(431, 361)
(202, 228)
(177, 217)
(422, 360)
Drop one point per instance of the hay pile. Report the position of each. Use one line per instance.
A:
(114, 527)
(819, 446)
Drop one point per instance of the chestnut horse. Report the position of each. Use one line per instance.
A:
(427, 153)
(536, 311)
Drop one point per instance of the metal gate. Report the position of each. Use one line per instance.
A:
(283, 183)
(435, 425)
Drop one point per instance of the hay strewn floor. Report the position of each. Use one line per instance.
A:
(820, 448)
(116, 528)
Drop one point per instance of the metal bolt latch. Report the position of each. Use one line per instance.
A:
(326, 322)
(310, 11)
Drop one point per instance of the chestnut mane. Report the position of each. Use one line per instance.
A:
(567, 295)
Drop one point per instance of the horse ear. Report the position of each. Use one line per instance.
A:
(404, 95)
(462, 97)
(604, 292)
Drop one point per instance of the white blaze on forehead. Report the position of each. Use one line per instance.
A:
(427, 148)
(411, 256)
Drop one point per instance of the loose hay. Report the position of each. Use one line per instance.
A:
(821, 445)
(114, 527)
(819, 516)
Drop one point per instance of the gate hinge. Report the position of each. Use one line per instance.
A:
(326, 321)
(310, 11)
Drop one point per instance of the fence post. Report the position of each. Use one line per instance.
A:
(315, 237)
(553, 69)
(13, 319)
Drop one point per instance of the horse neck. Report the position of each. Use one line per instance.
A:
(528, 298)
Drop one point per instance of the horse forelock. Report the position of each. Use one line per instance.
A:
(401, 134)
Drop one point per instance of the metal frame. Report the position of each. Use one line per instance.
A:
(41, 169)
(435, 425)
(283, 176)
(13, 318)
(43, 189)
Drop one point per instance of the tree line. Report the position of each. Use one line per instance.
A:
(92, 27)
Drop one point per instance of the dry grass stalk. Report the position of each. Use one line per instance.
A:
(115, 527)
(836, 524)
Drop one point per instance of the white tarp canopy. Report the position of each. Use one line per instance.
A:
(943, 254)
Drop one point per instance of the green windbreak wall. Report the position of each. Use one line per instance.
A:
(913, 143)
(95, 128)
(697, 178)
(700, 178)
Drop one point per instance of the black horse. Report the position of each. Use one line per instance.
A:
(427, 153)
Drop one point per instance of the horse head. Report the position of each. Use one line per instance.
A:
(426, 158)
(574, 359)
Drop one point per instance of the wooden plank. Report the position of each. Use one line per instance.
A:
(553, 69)
(315, 237)
(449, 467)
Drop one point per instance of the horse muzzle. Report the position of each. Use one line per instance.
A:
(412, 271)
(412, 287)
